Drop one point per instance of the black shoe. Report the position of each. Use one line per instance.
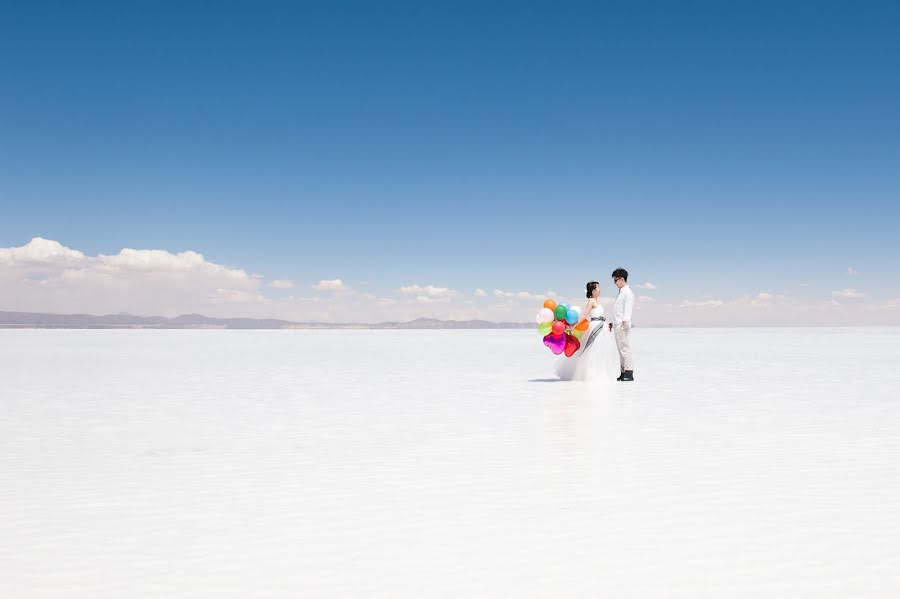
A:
(621, 376)
(628, 375)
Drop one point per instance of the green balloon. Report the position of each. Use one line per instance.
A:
(545, 328)
(560, 312)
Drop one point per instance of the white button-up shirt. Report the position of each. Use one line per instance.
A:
(624, 305)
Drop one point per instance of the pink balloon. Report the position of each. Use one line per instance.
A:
(556, 343)
(545, 315)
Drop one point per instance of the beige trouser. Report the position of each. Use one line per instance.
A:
(624, 345)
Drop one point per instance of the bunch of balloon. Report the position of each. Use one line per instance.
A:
(562, 327)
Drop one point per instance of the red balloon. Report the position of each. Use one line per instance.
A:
(572, 345)
(558, 327)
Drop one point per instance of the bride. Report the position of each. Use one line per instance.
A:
(597, 360)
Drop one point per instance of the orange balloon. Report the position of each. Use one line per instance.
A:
(582, 326)
(550, 304)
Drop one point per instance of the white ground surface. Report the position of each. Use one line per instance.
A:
(742, 463)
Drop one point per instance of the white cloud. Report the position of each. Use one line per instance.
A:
(848, 294)
(330, 285)
(760, 300)
(45, 276)
(852, 271)
(480, 293)
(429, 293)
(523, 295)
(646, 299)
(236, 296)
(711, 303)
(40, 253)
(281, 284)
(648, 285)
(888, 305)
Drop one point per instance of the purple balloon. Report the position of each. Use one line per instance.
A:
(556, 343)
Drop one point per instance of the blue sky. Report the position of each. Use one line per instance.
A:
(715, 149)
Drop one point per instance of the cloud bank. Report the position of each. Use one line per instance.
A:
(46, 276)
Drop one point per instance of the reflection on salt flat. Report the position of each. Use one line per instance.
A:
(742, 463)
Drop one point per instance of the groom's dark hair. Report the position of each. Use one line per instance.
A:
(620, 273)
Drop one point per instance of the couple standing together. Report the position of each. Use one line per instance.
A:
(606, 346)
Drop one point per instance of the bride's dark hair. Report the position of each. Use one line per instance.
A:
(590, 288)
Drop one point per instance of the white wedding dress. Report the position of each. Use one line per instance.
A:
(597, 361)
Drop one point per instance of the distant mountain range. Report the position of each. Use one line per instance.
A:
(35, 320)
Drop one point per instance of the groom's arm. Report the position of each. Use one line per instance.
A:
(629, 306)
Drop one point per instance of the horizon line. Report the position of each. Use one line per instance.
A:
(220, 323)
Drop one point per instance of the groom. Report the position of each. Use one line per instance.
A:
(622, 322)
